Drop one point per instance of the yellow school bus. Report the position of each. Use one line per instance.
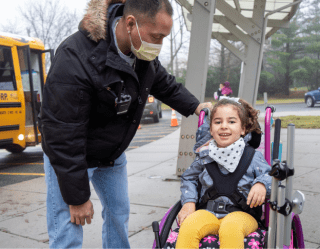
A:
(22, 77)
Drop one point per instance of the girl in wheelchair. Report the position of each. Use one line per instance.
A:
(223, 189)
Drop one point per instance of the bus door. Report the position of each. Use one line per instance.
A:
(32, 67)
(42, 64)
(11, 106)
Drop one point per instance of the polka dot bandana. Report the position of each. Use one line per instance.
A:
(228, 157)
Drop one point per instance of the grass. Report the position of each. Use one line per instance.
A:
(280, 101)
(302, 88)
(303, 122)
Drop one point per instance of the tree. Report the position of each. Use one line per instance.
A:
(223, 66)
(308, 67)
(286, 46)
(12, 27)
(49, 21)
(177, 38)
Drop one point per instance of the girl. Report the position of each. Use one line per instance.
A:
(231, 123)
(226, 89)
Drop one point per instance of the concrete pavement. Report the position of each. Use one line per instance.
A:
(23, 207)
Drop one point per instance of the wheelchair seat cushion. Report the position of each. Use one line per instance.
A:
(254, 240)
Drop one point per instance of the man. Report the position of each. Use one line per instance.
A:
(93, 101)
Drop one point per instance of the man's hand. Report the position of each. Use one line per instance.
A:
(187, 209)
(257, 195)
(82, 213)
(203, 105)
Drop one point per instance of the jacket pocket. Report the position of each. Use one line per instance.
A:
(63, 101)
(106, 106)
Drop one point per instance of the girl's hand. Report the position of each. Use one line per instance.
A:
(187, 209)
(257, 195)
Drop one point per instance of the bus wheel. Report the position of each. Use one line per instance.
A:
(15, 148)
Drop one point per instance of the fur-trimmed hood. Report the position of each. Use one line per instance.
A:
(95, 20)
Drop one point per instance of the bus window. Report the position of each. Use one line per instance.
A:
(7, 79)
(22, 53)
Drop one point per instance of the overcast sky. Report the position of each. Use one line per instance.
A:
(9, 8)
(9, 11)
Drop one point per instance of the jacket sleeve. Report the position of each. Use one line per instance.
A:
(64, 118)
(173, 94)
(190, 181)
(261, 171)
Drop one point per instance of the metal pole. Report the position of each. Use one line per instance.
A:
(280, 218)
(196, 79)
(273, 215)
(290, 163)
(265, 99)
(273, 229)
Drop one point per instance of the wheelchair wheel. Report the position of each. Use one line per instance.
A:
(168, 223)
(294, 238)
(297, 240)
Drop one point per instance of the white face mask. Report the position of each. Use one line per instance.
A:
(147, 51)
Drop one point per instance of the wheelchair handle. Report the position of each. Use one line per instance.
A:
(267, 130)
(276, 140)
(203, 113)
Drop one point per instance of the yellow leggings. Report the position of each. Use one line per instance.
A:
(232, 229)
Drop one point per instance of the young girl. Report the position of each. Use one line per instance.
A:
(231, 123)
(224, 90)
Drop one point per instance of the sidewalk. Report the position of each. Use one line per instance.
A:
(23, 207)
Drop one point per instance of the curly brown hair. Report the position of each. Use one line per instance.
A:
(247, 114)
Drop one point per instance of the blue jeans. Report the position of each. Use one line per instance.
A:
(111, 185)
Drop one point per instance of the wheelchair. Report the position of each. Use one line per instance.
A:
(281, 226)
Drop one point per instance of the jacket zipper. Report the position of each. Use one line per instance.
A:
(81, 94)
(140, 93)
(109, 89)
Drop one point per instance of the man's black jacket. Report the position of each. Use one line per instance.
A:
(78, 116)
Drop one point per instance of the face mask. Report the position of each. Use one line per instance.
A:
(147, 51)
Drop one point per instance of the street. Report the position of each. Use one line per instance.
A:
(25, 166)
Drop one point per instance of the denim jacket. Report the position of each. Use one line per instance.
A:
(257, 172)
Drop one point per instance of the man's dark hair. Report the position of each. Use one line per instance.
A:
(147, 7)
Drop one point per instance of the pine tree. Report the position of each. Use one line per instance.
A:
(285, 48)
(308, 66)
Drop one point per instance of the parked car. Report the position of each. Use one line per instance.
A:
(152, 109)
(313, 97)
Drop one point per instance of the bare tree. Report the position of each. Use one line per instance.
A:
(177, 38)
(11, 26)
(49, 21)
(220, 57)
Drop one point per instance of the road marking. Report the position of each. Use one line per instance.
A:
(4, 164)
(23, 174)
(154, 132)
(133, 147)
(143, 141)
(149, 136)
